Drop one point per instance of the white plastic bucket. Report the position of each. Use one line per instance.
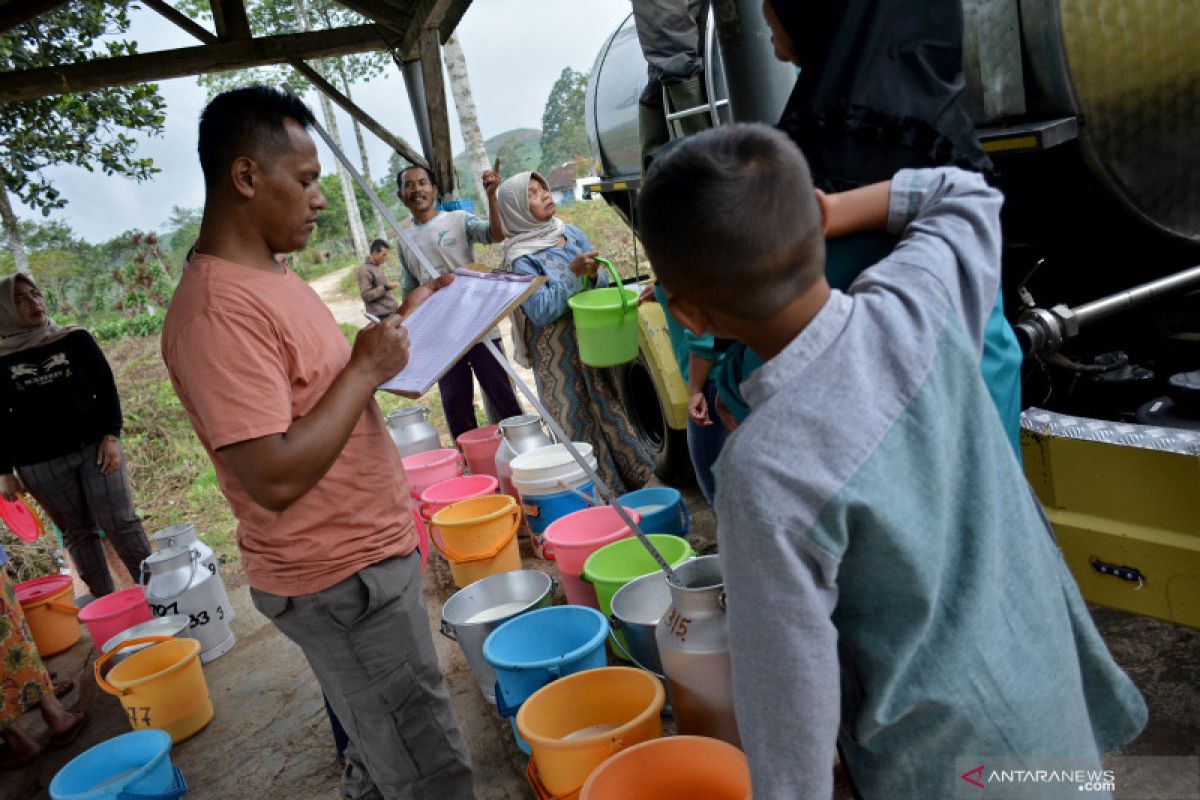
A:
(551, 469)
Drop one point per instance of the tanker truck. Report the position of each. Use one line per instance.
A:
(1090, 112)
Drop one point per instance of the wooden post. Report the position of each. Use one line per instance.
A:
(441, 157)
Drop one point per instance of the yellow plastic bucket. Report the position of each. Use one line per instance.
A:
(51, 613)
(160, 687)
(474, 529)
(606, 322)
(506, 559)
(574, 723)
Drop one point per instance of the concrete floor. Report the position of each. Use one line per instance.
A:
(270, 738)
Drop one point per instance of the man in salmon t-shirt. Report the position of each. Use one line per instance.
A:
(286, 410)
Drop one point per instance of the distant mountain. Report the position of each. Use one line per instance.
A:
(519, 149)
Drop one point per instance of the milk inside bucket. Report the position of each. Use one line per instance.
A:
(184, 535)
(176, 583)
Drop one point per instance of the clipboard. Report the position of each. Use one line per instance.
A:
(449, 323)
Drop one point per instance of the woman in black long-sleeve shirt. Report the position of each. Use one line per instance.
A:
(60, 423)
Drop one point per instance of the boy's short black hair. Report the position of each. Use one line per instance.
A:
(729, 217)
(400, 176)
(246, 122)
(379, 244)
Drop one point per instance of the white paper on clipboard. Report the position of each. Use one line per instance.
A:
(452, 320)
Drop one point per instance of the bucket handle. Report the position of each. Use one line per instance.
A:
(615, 624)
(589, 499)
(447, 631)
(195, 556)
(178, 790)
(61, 607)
(434, 537)
(616, 282)
(102, 661)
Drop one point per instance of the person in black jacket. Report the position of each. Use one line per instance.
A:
(60, 423)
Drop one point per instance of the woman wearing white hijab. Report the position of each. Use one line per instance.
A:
(60, 423)
(583, 399)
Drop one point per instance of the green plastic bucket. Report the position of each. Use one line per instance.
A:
(606, 322)
(616, 564)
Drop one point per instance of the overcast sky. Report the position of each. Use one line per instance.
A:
(515, 50)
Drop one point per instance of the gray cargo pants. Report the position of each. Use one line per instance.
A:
(367, 640)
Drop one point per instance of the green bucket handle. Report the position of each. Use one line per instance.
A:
(616, 283)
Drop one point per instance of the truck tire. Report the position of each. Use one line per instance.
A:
(668, 447)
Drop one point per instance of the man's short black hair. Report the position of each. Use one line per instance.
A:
(246, 122)
(400, 176)
(379, 244)
(729, 218)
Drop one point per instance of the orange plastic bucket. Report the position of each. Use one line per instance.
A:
(160, 687)
(673, 768)
(49, 607)
(574, 723)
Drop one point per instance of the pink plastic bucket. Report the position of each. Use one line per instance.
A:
(578, 591)
(107, 616)
(447, 493)
(479, 446)
(422, 532)
(433, 466)
(571, 539)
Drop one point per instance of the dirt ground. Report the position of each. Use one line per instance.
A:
(269, 737)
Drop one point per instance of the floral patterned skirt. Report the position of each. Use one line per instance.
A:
(23, 678)
(587, 403)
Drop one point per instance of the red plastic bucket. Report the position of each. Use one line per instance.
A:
(432, 466)
(107, 616)
(479, 446)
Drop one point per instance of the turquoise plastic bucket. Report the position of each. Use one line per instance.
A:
(133, 766)
(531, 650)
(662, 509)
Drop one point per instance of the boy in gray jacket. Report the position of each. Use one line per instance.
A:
(892, 582)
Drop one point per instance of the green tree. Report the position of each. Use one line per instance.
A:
(563, 133)
(87, 129)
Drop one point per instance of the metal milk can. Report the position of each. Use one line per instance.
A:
(517, 435)
(411, 431)
(184, 535)
(176, 583)
(693, 642)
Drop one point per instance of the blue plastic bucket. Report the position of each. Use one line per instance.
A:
(531, 650)
(542, 509)
(662, 509)
(133, 766)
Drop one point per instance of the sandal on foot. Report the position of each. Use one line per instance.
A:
(66, 737)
